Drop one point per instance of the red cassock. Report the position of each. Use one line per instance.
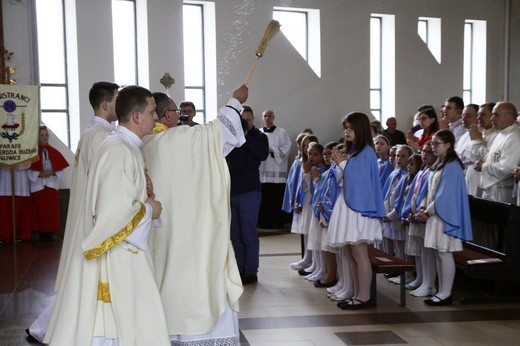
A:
(45, 203)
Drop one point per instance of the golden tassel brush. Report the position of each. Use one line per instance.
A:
(272, 28)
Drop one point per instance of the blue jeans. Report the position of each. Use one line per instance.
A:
(244, 216)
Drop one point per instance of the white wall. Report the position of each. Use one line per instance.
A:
(283, 81)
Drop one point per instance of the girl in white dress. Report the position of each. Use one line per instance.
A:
(446, 212)
(424, 284)
(290, 198)
(364, 206)
(302, 204)
(323, 204)
(344, 289)
(315, 153)
(393, 230)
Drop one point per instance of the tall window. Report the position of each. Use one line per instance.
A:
(382, 66)
(52, 67)
(125, 42)
(429, 29)
(200, 77)
(474, 79)
(301, 26)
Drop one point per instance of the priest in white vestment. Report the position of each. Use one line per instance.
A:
(102, 97)
(195, 265)
(114, 299)
(464, 146)
(497, 179)
(482, 137)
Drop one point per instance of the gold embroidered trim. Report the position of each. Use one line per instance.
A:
(159, 127)
(103, 292)
(116, 238)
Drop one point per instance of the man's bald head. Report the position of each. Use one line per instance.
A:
(504, 115)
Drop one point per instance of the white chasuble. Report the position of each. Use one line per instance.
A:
(194, 261)
(113, 294)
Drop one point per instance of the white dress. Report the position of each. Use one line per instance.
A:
(434, 234)
(415, 238)
(315, 233)
(347, 226)
(394, 229)
(415, 233)
(306, 214)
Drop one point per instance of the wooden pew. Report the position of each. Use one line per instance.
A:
(383, 262)
(494, 253)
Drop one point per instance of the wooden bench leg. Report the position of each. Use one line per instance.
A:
(373, 289)
(402, 286)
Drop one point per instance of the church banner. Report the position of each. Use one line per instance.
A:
(19, 123)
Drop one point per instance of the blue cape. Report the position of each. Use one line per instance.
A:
(321, 168)
(396, 174)
(362, 186)
(400, 196)
(406, 209)
(385, 168)
(330, 193)
(451, 202)
(291, 186)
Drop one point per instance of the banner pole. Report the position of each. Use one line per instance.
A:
(13, 203)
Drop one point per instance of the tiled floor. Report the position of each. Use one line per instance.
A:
(282, 308)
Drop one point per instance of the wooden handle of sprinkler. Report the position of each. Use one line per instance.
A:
(251, 70)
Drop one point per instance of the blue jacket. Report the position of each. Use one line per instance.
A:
(243, 162)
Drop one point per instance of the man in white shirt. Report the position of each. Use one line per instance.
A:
(452, 117)
(497, 168)
(273, 173)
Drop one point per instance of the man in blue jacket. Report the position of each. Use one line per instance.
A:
(246, 194)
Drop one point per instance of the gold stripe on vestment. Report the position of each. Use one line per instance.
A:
(116, 238)
(103, 292)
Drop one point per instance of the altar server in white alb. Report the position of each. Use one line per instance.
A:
(195, 265)
(273, 173)
(102, 97)
(482, 137)
(497, 179)
(115, 300)
(22, 204)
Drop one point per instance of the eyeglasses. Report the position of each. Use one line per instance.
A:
(435, 144)
(178, 111)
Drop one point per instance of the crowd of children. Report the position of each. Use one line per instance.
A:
(362, 192)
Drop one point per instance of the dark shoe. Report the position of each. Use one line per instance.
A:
(31, 339)
(249, 279)
(318, 284)
(440, 302)
(355, 304)
(343, 303)
(389, 276)
(302, 272)
(45, 236)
